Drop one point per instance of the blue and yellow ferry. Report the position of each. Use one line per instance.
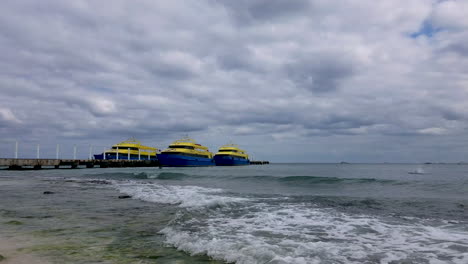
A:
(231, 155)
(185, 152)
(131, 149)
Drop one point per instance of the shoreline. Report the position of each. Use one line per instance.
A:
(70, 220)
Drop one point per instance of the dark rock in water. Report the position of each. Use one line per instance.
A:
(14, 222)
(150, 257)
(124, 196)
(48, 192)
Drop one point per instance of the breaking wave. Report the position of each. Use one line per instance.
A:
(119, 175)
(171, 176)
(289, 180)
(141, 175)
(299, 229)
(315, 180)
(299, 233)
(182, 196)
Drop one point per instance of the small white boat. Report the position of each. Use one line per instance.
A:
(417, 171)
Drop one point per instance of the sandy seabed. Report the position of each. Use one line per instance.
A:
(11, 250)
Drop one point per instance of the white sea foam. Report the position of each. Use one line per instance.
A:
(268, 231)
(183, 196)
(278, 232)
(296, 233)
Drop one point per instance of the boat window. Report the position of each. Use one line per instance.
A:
(125, 148)
(228, 155)
(186, 154)
(227, 150)
(170, 153)
(181, 146)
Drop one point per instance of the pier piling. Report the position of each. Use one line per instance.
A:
(16, 149)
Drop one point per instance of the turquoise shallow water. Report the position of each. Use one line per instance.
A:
(278, 213)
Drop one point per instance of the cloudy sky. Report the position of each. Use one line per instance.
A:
(288, 80)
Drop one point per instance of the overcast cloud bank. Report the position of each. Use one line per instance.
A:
(307, 81)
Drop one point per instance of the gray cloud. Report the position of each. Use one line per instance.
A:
(271, 75)
(246, 11)
(320, 72)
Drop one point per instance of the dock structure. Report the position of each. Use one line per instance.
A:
(18, 164)
(259, 162)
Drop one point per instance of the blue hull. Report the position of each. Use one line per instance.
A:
(170, 160)
(224, 160)
(112, 156)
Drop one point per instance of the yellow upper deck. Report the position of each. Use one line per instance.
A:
(188, 146)
(135, 147)
(232, 150)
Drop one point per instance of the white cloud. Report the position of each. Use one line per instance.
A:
(8, 117)
(101, 106)
(268, 73)
(451, 14)
(433, 131)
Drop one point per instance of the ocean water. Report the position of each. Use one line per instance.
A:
(277, 213)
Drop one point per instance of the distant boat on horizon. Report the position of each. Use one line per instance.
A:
(417, 171)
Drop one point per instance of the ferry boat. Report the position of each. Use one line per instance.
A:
(184, 153)
(131, 149)
(231, 155)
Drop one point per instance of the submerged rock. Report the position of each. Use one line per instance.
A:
(14, 222)
(124, 196)
(151, 257)
(99, 181)
(48, 192)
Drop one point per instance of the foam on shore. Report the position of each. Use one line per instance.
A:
(300, 234)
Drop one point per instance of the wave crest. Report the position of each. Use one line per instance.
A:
(183, 196)
(171, 176)
(315, 179)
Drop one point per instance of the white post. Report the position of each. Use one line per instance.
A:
(117, 155)
(16, 149)
(90, 152)
(139, 154)
(104, 153)
(128, 156)
(57, 152)
(74, 152)
(149, 155)
(38, 151)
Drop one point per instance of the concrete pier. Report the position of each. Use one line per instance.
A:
(18, 164)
